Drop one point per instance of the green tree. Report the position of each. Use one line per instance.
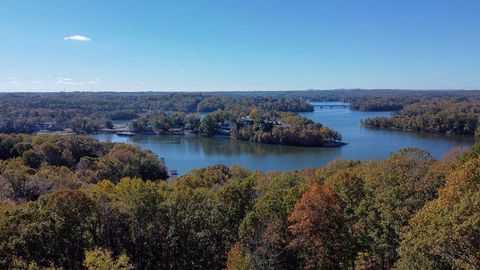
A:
(33, 158)
(67, 214)
(18, 184)
(264, 231)
(100, 259)
(444, 234)
(208, 125)
(393, 193)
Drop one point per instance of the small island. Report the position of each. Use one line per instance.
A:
(255, 125)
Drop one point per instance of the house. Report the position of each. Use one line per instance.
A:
(50, 126)
(177, 131)
(225, 128)
(246, 121)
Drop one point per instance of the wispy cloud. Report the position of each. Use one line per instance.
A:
(77, 38)
(69, 81)
(365, 27)
(13, 81)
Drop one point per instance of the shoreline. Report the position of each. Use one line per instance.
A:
(333, 144)
(447, 134)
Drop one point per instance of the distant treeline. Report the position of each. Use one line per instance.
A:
(89, 112)
(374, 100)
(86, 112)
(451, 116)
(408, 211)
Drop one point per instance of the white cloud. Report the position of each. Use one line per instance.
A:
(13, 81)
(69, 81)
(77, 38)
(63, 81)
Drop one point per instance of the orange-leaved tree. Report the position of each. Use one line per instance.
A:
(318, 229)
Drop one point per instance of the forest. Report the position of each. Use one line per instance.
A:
(32, 166)
(75, 203)
(373, 99)
(452, 116)
(86, 112)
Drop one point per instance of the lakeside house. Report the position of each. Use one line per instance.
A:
(225, 128)
(49, 126)
(176, 131)
(246, 121)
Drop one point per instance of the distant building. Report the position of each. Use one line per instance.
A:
(176, 130)
(50, 126)
(246, 121)
(225, 128)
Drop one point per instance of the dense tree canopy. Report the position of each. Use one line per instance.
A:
(445, 233)
(378, 99)
(270, 127)
(90, 112)
(87, 207)
(31, 166)
(455, 116)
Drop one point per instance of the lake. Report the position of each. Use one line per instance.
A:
(184, 153)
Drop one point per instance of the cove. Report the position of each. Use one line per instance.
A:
(184, 153)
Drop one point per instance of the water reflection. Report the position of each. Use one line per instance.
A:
(217, 146)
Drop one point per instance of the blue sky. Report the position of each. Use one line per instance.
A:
(238, 45)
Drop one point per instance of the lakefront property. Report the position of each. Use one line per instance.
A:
(255, 126)
(240, 135)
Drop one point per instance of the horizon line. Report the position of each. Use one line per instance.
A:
(233, 91)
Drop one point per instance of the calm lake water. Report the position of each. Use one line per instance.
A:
(183, 153)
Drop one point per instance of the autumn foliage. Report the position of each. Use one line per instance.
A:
(75, 203)
(318, 229)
